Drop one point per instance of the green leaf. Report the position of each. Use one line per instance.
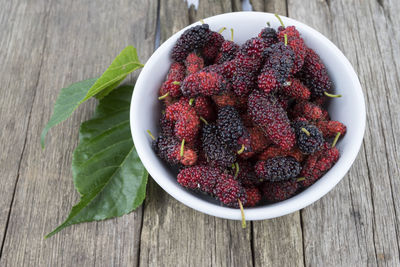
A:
(74, 95)
(106, 168)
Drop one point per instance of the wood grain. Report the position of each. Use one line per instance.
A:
(21, 50)
(357, 223)
(271, 6)
(176, 235)
(81, 39)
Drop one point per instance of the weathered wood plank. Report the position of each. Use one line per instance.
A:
(82, 38)
(356, 224)
(21, 51)
(173, 234)
(272, 6)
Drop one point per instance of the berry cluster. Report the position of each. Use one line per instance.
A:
(247, 124)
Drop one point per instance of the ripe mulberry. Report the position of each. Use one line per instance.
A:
(168, 148)
(176, 72)
(194, 38)
(203, 83)
(272, 119)
(309, 138)
(275, 151)
(211, 49)
(193, 63)
(203, 178)
(331, 128)
(269, 35)
(314, 74)
(279, 191)
(277, 169)
(218, 154)
(230, 126)
(318, 164)
(204, 108)
(229, 190)
(227, 52)
(294, 88)
(307, 110)
(253, 196)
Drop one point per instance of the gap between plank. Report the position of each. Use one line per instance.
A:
(46, 19)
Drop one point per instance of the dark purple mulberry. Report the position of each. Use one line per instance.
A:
(277, 169)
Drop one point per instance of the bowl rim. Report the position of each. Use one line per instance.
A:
(295, 203)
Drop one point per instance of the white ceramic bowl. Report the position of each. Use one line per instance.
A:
(350, 109)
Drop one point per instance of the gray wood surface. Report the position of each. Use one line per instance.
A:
(80, 39)
(46, 45)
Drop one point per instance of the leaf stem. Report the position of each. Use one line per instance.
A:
(331, 95)
(242, 213)
(163, 96)
(151, 135)
(305, 131)
(280, 20)
(237, 169)
(240, 151)
(182, 146)
(203, 120)
(336, 139)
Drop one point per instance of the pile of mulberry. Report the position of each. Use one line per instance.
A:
(246, 124)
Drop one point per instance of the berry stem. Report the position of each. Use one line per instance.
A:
(268, 24)
(280, 20)
(242, 213)
(285, 36)
(336, 139)
(151, 135)
(232, 34)
(182, 146)
(163, 96)
(237, 169)
(191, 101)
(240, 151)
(176, 82)
(300, 179)
(305, 131)
(203, 120)
(202, 21)
(223, 29)
(331, 95)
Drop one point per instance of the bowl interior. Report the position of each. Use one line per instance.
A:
(350, 109)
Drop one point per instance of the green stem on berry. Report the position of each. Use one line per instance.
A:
(163, 96)
(151, 135)
(285, 36)
(268, 24)
(163, 112)
(223, 29)
(242, 213)
(232, 34)
(300, 179)
(203, 120)
(176, 83)
(240, 151)
(305, 131)
(202, 21)
(280, 20)
(191, 101)
(182, 146)
(331, 95)
(236, 170)
(233, 165)
(336, 139)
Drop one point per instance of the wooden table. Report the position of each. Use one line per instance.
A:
(45, 45)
